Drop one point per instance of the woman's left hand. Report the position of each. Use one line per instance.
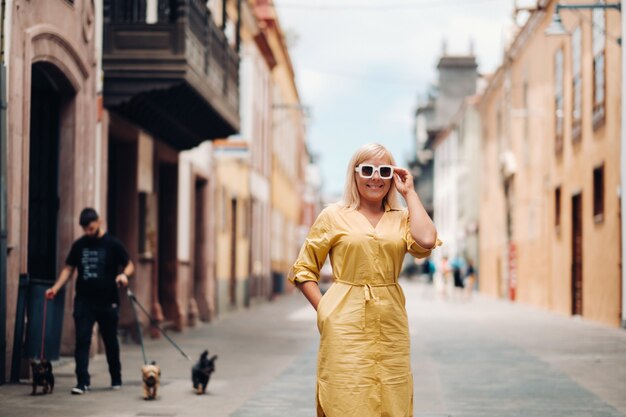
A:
(403, 180)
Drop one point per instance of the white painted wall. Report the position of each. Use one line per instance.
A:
(198, 159)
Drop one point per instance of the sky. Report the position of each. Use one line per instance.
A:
(362, 65)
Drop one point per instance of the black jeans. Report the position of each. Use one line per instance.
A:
(107, 316)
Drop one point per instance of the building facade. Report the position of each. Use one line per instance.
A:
(234, 262)
(457, 183)
(120, 105)
(257, 64)
(52, 143)
(457, 79)
(549, 209)
(197, 231)
(287, 152)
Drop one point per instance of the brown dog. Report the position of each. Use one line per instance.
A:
(151, 378)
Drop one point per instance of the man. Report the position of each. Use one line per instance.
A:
(99, 258)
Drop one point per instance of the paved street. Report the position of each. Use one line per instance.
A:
(476, 359)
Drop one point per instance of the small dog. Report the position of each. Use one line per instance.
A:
(42, 376)
(151, 378)
(201, 372)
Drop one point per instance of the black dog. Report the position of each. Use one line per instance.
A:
(42, 376)
(201, 372)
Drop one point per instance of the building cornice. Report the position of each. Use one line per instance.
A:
(521, 40)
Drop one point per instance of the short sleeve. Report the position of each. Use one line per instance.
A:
(122, 254)
(412, 247)
(73, 258)
(314, 251)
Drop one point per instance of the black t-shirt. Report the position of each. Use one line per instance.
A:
(98, 261)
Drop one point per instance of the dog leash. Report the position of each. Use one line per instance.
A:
(43, 330)
(139, 334)
(153, 323)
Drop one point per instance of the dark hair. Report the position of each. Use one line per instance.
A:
(87, 216)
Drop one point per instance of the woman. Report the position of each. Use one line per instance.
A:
(364, 357)
(470, 278)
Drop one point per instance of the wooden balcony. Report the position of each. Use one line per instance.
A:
(177, 77)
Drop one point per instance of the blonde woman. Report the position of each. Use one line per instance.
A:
(364, 360)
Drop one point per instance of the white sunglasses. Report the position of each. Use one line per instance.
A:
(385, 172)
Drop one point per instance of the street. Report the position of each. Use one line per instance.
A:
(481, 358)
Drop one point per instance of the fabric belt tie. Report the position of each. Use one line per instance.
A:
(368, 292)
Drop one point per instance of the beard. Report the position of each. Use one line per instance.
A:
(95, 236)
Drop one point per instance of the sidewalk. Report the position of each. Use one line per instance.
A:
(484, 358)
(254, 347)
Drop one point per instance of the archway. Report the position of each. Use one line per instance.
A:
(51, 94)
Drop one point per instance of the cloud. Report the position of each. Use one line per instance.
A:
(397, 113)
(411, 40)
(361, 72)
(320, 88)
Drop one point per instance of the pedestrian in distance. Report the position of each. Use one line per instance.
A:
(430, 270)
(364, 366)
(470, 279)
(103, 267)
(446, 277)
(458, 265)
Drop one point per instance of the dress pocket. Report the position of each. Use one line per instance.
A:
(321, 314)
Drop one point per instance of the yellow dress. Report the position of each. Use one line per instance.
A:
(364, 366)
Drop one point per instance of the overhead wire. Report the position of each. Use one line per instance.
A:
(412, 6)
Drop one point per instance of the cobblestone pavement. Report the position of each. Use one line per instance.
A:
(483, 358)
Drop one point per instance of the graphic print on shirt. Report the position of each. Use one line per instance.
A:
(92, 262)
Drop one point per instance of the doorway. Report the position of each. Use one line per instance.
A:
(233, 252)
(167, 242)
(577, 255)
(121, 192)
(47, 99)
(200, 290)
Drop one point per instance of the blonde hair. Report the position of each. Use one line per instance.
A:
(351, 197)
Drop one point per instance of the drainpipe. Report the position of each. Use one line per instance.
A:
(3, 201)
(224, 15)
(238, 41)
(623, 174)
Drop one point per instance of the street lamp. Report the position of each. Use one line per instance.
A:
(557, 28)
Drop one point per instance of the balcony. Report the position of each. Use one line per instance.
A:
(177, 77)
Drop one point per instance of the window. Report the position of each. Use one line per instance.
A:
(598, 193)
(599, 81)
(244, 226)
(224, 210)
(557, 208)
(577, 84)
(558, 101)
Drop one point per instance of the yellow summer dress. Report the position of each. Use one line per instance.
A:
(364, 366)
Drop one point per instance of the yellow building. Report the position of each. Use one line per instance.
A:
(233, 266)
(259, 173)
(288, 150)
(549, 226)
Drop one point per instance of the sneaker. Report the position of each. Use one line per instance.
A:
(116, 385)
(80, 389)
